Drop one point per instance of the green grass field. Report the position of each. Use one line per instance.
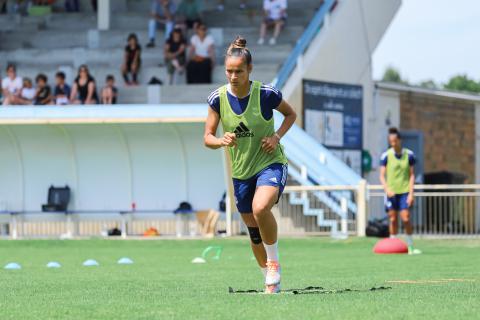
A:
(164, 284)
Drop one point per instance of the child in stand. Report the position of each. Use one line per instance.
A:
(62, 90)
(110, 91)
(44, 93)
(27, 93)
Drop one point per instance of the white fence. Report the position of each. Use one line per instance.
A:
(445, 210)
(439, 210)
(17, 225)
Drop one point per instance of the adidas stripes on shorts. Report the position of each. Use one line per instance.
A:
(274, 175)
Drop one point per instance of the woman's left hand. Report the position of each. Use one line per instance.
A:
(269, 144)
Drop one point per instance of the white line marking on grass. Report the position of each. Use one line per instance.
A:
(429, 281)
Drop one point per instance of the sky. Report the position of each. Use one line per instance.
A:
(432, 39)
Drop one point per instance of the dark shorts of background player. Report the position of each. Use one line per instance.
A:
(398, 202)
(275, 175)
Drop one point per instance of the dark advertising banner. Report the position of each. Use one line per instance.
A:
(332, 114)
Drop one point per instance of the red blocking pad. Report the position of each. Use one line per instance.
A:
(390, 246)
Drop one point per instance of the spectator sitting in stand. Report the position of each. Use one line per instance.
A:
(27, 94)
(189, 13)
(43, 95)
(132, 60)
(11, 85)
(84, 90)
(162, 12)
(109, 92)
(175, 54)
(62, 90)
(275, 12)
(201, 57)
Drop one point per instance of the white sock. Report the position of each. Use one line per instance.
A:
(264, 271)
(409, 240)
(272, 251)
(393, 236)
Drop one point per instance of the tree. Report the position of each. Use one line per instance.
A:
(462, 83)
(428, 84)
(393, 75)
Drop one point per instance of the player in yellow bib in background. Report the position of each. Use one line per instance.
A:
(398, 178)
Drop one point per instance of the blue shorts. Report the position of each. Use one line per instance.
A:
(274, 175)
(398, 202)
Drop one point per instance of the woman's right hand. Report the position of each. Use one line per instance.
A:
(229, 139)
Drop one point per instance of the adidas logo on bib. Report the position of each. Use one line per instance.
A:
(242, 131)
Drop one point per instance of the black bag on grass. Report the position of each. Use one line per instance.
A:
(377, 228)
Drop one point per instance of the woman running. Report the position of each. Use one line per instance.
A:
(259, 165)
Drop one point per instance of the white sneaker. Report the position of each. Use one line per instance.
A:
(272, 289)
(273, 273)
(261, 41)
(242, 6)
(273, 41)
(220, 7)
(412, 250)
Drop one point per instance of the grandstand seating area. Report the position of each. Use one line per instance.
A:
(64, 41)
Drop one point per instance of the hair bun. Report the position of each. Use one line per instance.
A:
(238, 48)
(240, 43)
